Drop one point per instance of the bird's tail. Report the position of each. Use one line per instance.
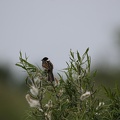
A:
(50, 76)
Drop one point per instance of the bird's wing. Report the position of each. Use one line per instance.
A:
(50, 65)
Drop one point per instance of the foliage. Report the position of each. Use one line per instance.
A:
(112, 111)
(73, 98)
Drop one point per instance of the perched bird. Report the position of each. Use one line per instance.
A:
(48, 67)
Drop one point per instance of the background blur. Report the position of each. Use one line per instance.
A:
(51, 28)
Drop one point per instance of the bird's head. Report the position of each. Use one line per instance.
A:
(44, 59)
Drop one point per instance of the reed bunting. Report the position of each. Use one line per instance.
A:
(49, 68)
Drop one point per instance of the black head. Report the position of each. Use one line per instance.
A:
(45, 59)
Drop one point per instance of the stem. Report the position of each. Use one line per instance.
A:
(54, 90)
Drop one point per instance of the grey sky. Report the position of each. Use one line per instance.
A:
(53, 27)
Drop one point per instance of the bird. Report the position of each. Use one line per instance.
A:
(48, 66)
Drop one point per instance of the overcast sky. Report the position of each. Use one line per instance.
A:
(52, 27)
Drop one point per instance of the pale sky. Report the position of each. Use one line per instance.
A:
(52, 27)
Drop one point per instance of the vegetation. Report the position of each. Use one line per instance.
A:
(72, 98)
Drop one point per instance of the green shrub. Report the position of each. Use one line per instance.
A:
(72, 98)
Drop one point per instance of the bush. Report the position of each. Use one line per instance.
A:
(72, 98)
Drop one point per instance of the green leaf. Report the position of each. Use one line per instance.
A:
(84, 55)
(17, 64)
(79, 58)
(87, 50)
(73, 67)
(89, 62)
(20, 54)
(29, 64)
(67, 64)
(72, 54)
